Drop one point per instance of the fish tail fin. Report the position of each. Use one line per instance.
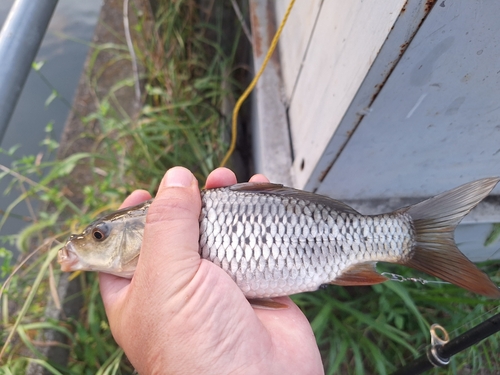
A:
(435, 251)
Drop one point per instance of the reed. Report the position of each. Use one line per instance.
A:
(190, 78)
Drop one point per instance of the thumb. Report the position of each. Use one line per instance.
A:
(168, 261)
(169, 256)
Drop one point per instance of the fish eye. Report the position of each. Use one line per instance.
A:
(100, 232)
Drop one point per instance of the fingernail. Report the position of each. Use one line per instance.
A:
(178, 177)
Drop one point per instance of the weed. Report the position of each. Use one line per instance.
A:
(378, 329)
(188, 76)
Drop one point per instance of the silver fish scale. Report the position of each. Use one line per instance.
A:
(274, 245)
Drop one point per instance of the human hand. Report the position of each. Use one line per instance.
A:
(180, 314)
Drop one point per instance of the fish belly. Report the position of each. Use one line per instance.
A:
(277, 245)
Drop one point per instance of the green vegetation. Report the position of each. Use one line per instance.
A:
(378, 329)
(189, 79)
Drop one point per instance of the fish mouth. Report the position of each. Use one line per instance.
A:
(67, 258)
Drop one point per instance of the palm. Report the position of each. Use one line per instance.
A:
(180, 314)
(282, 337)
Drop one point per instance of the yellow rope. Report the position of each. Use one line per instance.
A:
(253, 83)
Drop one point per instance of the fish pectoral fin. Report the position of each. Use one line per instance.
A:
(266, 304)
(360, 274)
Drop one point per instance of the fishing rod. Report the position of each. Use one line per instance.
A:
(441, 350)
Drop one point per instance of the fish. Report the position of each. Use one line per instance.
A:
(275, 240)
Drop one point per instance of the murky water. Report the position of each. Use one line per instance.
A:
(63, 52)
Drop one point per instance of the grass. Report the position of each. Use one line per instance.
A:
(378, 329)
(190, 79)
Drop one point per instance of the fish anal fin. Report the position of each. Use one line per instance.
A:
(266, 304)
(360, 274)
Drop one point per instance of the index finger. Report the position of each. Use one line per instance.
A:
(259, 178)
(135, 198)
(220, 177)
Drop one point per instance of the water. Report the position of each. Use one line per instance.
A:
(63, 53)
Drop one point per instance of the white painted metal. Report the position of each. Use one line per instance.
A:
(271, 142)
(401, 35)
(436, 122)
(295, 38)
(347, 38)
(390, 107)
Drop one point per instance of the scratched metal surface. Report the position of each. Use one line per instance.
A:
(271, 146)
(435, 124)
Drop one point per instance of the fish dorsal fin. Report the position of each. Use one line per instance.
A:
(260, 187)
(360, 274)
(278, 189)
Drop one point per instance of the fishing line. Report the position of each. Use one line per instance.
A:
(253, 83)
(399, 278)
(492, 255)
(443, 350)
(439, 352)
(467, 324)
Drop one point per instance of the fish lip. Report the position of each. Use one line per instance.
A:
(66, 257)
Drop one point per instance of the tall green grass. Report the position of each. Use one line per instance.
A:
(378, 329)
(190, 78)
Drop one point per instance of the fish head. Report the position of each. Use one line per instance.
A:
(111, 245)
